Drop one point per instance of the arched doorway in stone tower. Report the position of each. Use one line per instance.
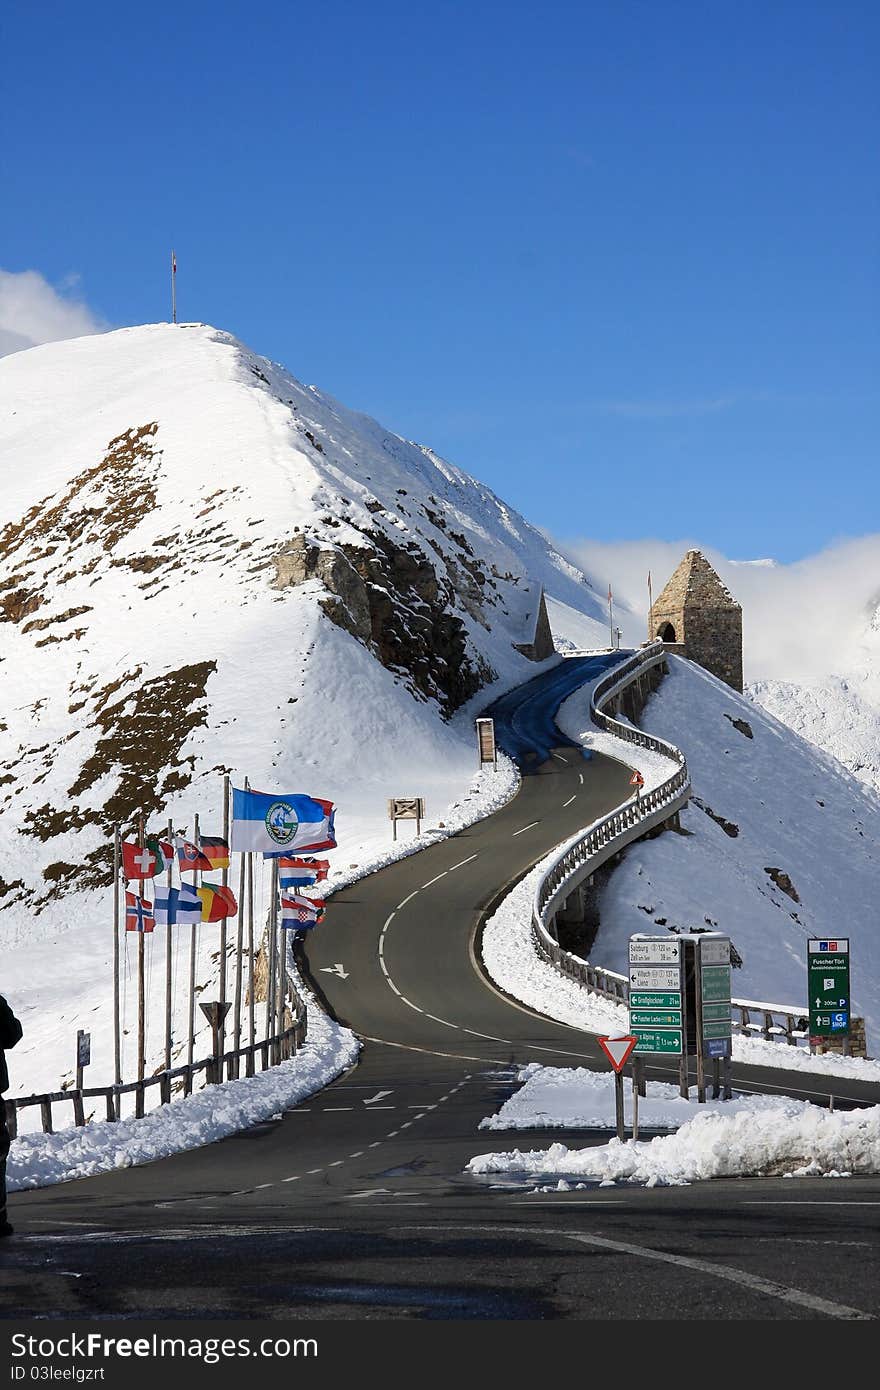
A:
(667, 633)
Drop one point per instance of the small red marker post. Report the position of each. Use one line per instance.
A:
(617, 1050)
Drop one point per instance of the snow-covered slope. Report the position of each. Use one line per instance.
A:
(779, 844)
(839, 713)
(207, 567)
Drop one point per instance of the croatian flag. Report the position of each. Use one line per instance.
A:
(272, 825)
(301, 873)
(300, 912)
(138, 913)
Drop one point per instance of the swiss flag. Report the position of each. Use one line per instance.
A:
(138, 862)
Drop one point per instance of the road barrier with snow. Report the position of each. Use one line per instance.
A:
(576, 863)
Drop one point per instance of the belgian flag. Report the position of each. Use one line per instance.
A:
(215, 850)
(217, 902)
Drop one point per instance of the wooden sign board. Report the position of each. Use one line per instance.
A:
(486, 742)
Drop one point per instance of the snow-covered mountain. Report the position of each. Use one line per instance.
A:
(207, 567)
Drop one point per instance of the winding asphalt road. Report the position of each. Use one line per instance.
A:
(356, 1204)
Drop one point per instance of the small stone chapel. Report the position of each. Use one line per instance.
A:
(697, 614)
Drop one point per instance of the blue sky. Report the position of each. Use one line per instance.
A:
(618, 260)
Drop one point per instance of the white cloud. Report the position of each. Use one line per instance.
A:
(801, 621)
(32, 312)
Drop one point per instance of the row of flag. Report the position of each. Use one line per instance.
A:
(211, 902)
(261, 823)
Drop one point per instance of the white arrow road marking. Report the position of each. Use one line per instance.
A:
(380, 1095)
(337, 969)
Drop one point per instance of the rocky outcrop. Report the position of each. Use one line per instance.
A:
(392, 600)
(347, 605)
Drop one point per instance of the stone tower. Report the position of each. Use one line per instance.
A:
(697, 613)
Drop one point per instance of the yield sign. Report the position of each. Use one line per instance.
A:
(637, 780)
(617, 1050)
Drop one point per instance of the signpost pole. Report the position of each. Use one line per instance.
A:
(618, 1104)
(635, 1084)
(618, 1050)
(698, 1003)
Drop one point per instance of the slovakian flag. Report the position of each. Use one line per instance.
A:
(301, 873)
(276, 825)
(216, 850)
(190, 858)
(139, 862)
(217, 902)
(138, 914)
(300, 912)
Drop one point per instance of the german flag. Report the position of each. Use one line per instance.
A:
(216, 850)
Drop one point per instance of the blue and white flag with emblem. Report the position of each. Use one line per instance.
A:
(265, 823)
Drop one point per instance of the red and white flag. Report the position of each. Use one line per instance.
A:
(139, 862)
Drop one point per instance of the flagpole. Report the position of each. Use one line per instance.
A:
(611, 616)
(270, 958)
(252, 1024)
(168, 963)
(224, 879)
(280, 960)
(117, 1036)
(139, 1094)
(192, 978)
(239, 936)
(173, 287)
(650, 605)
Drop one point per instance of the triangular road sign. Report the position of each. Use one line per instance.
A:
(637, 780)
(617, 1050)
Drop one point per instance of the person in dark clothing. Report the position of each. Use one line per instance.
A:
(10, 1034)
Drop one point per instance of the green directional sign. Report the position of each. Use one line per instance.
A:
(649, 999)
(715, 1013)
(654, 1018)
(715, 983)
(828, 985)
(657, 1039)
(716, 1030)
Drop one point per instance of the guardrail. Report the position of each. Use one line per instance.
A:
(276, 1048)
(602, 840)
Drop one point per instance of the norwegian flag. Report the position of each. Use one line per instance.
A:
(138, 913)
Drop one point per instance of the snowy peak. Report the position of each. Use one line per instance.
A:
(204, 566)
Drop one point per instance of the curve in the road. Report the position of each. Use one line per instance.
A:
(441, 1051)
